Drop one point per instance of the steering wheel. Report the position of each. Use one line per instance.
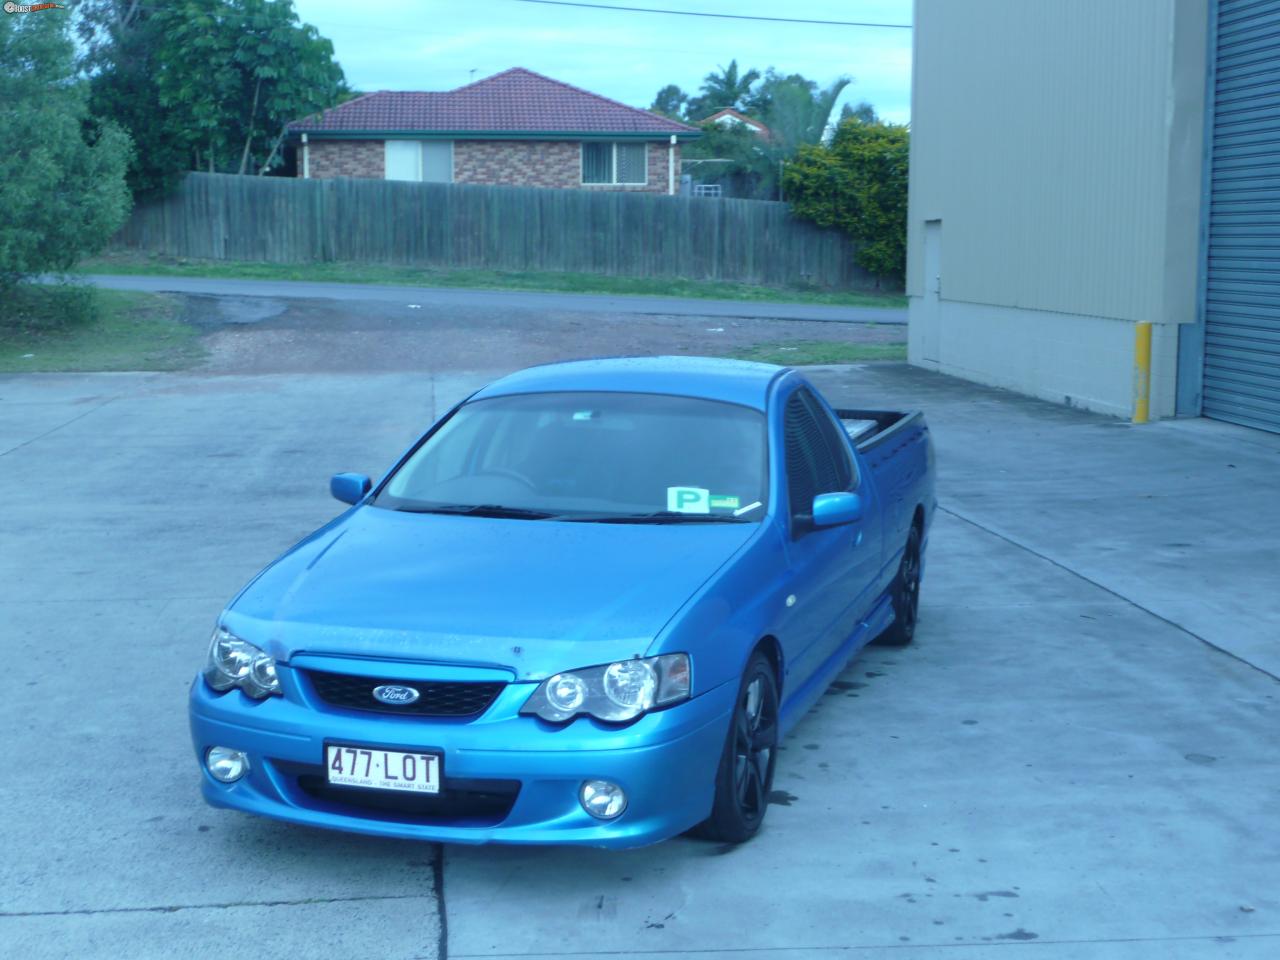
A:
(509, 474)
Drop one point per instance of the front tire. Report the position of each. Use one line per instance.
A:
(745, 775)
(906, 596)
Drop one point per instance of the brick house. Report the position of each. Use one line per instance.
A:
(516, 128)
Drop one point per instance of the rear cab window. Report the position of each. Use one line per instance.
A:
(817, 458)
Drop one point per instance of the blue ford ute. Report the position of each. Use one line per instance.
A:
(583, 608)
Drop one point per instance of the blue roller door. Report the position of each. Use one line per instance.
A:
(1242, 309)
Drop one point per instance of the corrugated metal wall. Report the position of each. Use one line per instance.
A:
(1242, 308)
(1047, 140)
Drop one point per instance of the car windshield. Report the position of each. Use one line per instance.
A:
(607, 457)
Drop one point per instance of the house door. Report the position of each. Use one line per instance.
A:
(930, 310)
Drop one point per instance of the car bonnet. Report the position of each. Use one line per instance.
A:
(532, 596)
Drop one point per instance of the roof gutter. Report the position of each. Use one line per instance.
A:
(488, 135)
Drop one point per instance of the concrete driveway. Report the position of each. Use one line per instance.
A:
(1064, 767)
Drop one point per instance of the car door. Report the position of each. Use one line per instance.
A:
(825, 565)
(867, 532)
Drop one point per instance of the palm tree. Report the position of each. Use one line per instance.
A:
(724, 89)
(824, 106)
(796, 111)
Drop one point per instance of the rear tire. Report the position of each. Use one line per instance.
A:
(906, 596)
(745, 775)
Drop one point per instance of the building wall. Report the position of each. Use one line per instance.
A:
(345, 158)
(547, 163)
(525, 163)
(1073, 359)
(1059, 146)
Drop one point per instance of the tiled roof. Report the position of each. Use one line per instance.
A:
(514, 101)
(740, 117)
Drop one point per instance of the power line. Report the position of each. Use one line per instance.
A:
(718, 16)
(228, 15)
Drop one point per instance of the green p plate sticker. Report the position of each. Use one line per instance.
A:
(688, 500)
(728, 503)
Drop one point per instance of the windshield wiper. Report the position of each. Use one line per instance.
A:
(482, 510)
(661, 516)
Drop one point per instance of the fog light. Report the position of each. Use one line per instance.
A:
(602, 799)
(226, 765)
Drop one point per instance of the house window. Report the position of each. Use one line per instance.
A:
(429, 160)
(621, 163)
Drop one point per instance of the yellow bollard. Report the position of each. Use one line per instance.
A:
(1142, 373)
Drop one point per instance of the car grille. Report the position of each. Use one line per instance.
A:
(461, 803)
(437, 698)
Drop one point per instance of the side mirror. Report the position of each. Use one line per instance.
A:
(349, 487)
(833, 509)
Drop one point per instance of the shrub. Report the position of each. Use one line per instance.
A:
(61, 196)
(858, 184)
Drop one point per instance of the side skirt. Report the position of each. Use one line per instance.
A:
(802, 698)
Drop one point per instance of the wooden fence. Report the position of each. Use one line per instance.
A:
(278, 220)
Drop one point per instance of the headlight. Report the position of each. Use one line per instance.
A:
(615, 692)
(236, 663)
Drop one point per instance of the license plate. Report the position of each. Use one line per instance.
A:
(382, 769)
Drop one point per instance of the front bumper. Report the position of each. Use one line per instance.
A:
(506, 778)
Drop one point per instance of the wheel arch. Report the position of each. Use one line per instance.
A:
(771, 648)
(917, 518)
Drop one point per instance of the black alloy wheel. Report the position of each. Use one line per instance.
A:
(745, 776)
(906, 596)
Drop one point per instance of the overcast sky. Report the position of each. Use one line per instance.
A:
(436, 44)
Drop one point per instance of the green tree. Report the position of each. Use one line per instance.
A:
(119, 40)
(670, 102)
(795, 109)
(864, 111)
(858, 184)
(736, 158)
(728, 88)
(210, 83)
(62, 188)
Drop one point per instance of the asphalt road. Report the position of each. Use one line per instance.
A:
(1077, 759)
(503, 300)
